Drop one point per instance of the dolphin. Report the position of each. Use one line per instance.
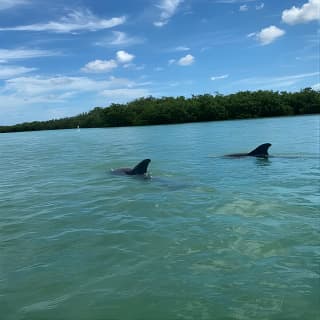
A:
(139, 170)
(259, 152)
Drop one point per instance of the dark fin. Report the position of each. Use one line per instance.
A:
(261, 151)
(141, 167)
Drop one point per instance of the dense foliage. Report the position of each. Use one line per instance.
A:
(168, 110)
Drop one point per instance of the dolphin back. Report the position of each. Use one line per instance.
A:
(141, 168)
(261, 151)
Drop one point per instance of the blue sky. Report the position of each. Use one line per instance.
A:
(70, 56)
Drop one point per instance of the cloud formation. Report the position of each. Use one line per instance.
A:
(119, 38)
(128, 93)
(267, 35)
(181, 48)
(22, 54)
(310, 11)
(7, 4)
(27, 95)
(277, 82)
(243, 8)
(168, 9)
(316, 86)
(99, 66)
(233, 1)
(7, 72)
(186, 60)
(260, 6)
(224, 76)
(76, 20)
(58, 88)
(124, 57)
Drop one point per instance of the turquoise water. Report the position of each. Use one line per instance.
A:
(206, 238)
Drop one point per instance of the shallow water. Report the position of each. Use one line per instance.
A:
(206, 238)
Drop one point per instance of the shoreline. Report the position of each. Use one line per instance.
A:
(148, 111)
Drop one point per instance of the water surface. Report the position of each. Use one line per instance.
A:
(206, 238)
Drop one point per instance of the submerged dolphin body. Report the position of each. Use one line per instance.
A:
(259, 152)
(139, 170)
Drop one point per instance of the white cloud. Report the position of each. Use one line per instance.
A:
(124, 57)
(23, 98)
(168, 9)
(260, 6)
(125, 93)
(21, 54)
(76, 20)
(160, 23)
(277, 82)
(171, 61)
(316, 86)
(35, 86)
(119, 38)
(177, 49)
(7, 72)
(243, 8)
(233, 1)
(133, 66)
(186, 60)
(30, 86)
(181, 48)
(219, 77)
(115, 82)
(267, 35)
(7, 4)
(310, 11)
(98, 66)
(40, 88)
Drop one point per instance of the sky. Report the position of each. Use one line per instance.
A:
(70, 56)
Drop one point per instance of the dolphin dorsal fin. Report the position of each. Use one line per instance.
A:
(261, 151)
(141, 167)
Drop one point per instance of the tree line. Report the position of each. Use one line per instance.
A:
(170, 110)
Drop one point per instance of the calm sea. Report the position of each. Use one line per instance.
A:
(206, 238)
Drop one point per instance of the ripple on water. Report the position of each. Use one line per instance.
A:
(205, 238)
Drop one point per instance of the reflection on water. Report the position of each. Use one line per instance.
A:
(263, 162)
